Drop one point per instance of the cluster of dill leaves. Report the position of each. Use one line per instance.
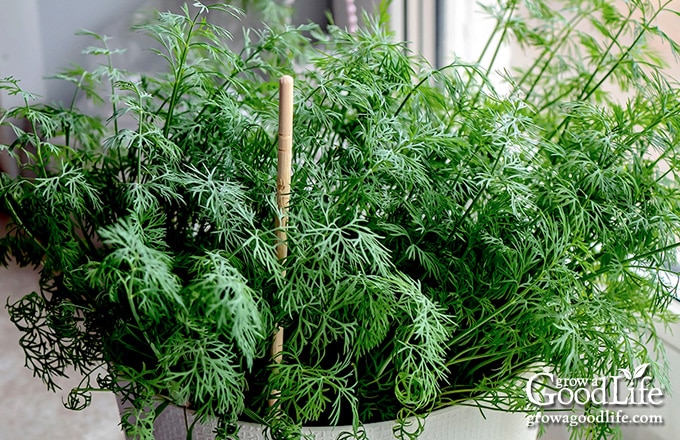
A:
(443, 238)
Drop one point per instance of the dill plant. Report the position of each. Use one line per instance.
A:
(444, 239)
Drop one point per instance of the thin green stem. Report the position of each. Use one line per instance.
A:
(17, 218)
(179, 76)
(475, 329)
(479, 194)
(638, 257)
(510, 10)
(612, 42)
(492, 36)
(420, 83)
(552, 49)
(629, 49)
(587, 92)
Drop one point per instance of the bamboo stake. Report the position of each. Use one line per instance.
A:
(283, 188)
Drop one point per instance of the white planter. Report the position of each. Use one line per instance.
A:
(455, 423)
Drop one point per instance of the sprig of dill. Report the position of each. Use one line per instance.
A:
(443, 238)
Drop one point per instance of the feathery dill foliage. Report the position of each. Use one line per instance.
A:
(443, 239)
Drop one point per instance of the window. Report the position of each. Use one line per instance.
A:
(443, 30)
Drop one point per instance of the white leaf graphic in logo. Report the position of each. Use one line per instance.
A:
(640, 371)
(625, 373)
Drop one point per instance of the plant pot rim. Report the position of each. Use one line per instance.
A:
(464, 421)
(456, 422)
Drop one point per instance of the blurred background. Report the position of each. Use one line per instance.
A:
(37, 40)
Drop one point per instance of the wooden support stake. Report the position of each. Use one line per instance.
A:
(283, 188)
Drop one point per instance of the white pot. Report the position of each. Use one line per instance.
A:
(454, 423)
